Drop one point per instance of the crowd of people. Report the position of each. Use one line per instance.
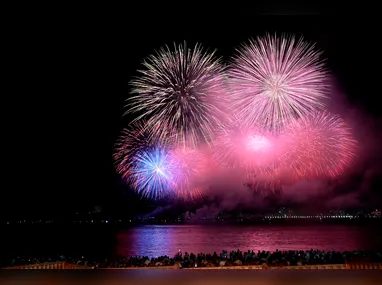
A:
(225, 258)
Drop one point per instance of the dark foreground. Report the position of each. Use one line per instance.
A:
(201, 260)
(210, 277)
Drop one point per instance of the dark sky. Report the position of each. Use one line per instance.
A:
(70, 76)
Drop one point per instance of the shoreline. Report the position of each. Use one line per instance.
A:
(68, 266)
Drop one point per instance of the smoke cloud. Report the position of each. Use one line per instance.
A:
(356, 188)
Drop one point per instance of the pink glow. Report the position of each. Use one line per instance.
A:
(257, 143)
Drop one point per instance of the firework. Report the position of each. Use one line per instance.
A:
(152, 173)
(162, 173)
(180, 92)
(318, 145)
(279, 132)
(132, 139)
(237, 146)
(275, 80)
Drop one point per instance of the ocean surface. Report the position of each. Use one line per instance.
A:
(156, 240)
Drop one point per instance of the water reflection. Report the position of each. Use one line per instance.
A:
(147, 240)
(167, 240)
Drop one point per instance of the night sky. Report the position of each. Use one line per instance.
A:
(70, 79)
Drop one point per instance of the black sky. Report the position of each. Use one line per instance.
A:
(70, 71)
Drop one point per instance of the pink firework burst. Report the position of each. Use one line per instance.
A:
(318, 145)
(237, 146)
(274, 80)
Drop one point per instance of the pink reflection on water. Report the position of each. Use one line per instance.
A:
(146, 241)
(167, 240)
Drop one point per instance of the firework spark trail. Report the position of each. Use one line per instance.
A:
(266, 186)
(130, 141)
(182, 92)
(152, 174)
(318, 145)
(265, 178)
(275, 80)
(189, 164)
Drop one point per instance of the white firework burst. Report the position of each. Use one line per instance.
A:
(274, 80)
(180, 92)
